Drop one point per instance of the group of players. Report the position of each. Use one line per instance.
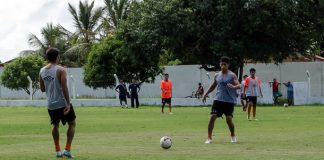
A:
(226, 84)
(53, 81)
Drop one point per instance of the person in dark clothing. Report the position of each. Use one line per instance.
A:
(134, 88)
(122, 90)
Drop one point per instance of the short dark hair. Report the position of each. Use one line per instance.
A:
(225, 59)
(245, 76)
(52, 54)
(252, 69)
(166, 74)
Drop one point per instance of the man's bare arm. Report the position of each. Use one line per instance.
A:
(41, 84)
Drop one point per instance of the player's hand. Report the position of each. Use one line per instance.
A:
(204, 98)
(230, 85)
(67, 109)
(261, 95)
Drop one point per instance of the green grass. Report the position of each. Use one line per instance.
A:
(295, 133)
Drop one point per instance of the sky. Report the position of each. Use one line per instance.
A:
(19, 18)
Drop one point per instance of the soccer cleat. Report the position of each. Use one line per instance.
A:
(58, 154)
(255, 119)
(171, 113)
(248, 118)
(67, 154)
(208, 141)
(233, 139)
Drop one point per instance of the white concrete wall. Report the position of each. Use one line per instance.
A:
(186, 77)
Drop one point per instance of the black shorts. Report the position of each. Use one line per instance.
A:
(123, 98)
(219, 108)
(252, 99)
(57, 115)
(166, 100)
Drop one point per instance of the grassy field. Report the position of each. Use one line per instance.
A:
(295, 133)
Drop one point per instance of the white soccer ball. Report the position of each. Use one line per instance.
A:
(285, 105)
(165, 142)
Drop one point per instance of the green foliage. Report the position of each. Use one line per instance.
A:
(202, 31)
(101, 65)
(14, 75)
(86, 20)
(117, 10)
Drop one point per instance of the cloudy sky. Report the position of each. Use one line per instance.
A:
(19, 18)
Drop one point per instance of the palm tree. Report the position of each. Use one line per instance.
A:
(86, 20)
(117, 10)
(51, 35)
(58, 37)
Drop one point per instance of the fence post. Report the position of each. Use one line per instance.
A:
(30, 87)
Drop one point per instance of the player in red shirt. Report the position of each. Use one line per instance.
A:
(166, 88)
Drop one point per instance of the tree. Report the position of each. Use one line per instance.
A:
(203, 31)
(117, 10)
(54, 36)
(14, 75)
(51, 37)
(86, 21)
(101, 65)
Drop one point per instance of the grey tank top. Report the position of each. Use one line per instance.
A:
(53, 89)
(223, 92)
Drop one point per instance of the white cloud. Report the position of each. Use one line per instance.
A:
(19, 18)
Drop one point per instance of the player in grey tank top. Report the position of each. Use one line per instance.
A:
(53, 89)
(53, 81)
(226, 84)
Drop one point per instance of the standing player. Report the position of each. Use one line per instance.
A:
(166, 87)
(134, 88)
(252, 89)
(53, 81)
(243, 97)
(275, 90)
(121, 89)
(226, 84)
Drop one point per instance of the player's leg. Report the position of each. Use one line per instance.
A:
(137, 102)
(55, 121)
(215, 112)
(228, 111)
(70, 134)
(125, 100)
(163, 104)
(249, 106)
(231, 127)
(132, 100)
(56, 138)
(170, 107)
(211, 124)
(121, 102)
(254, 108)
(70, 119)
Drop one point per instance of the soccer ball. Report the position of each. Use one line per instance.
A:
(285, 105)
(165, 142)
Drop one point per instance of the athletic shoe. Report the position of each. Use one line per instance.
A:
(171, 113)
(67, 154)
(58, 154)
(208, 141)
(249, 118)
(255, 119)
(233, 139)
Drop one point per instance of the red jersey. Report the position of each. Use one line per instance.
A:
(167, 87)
